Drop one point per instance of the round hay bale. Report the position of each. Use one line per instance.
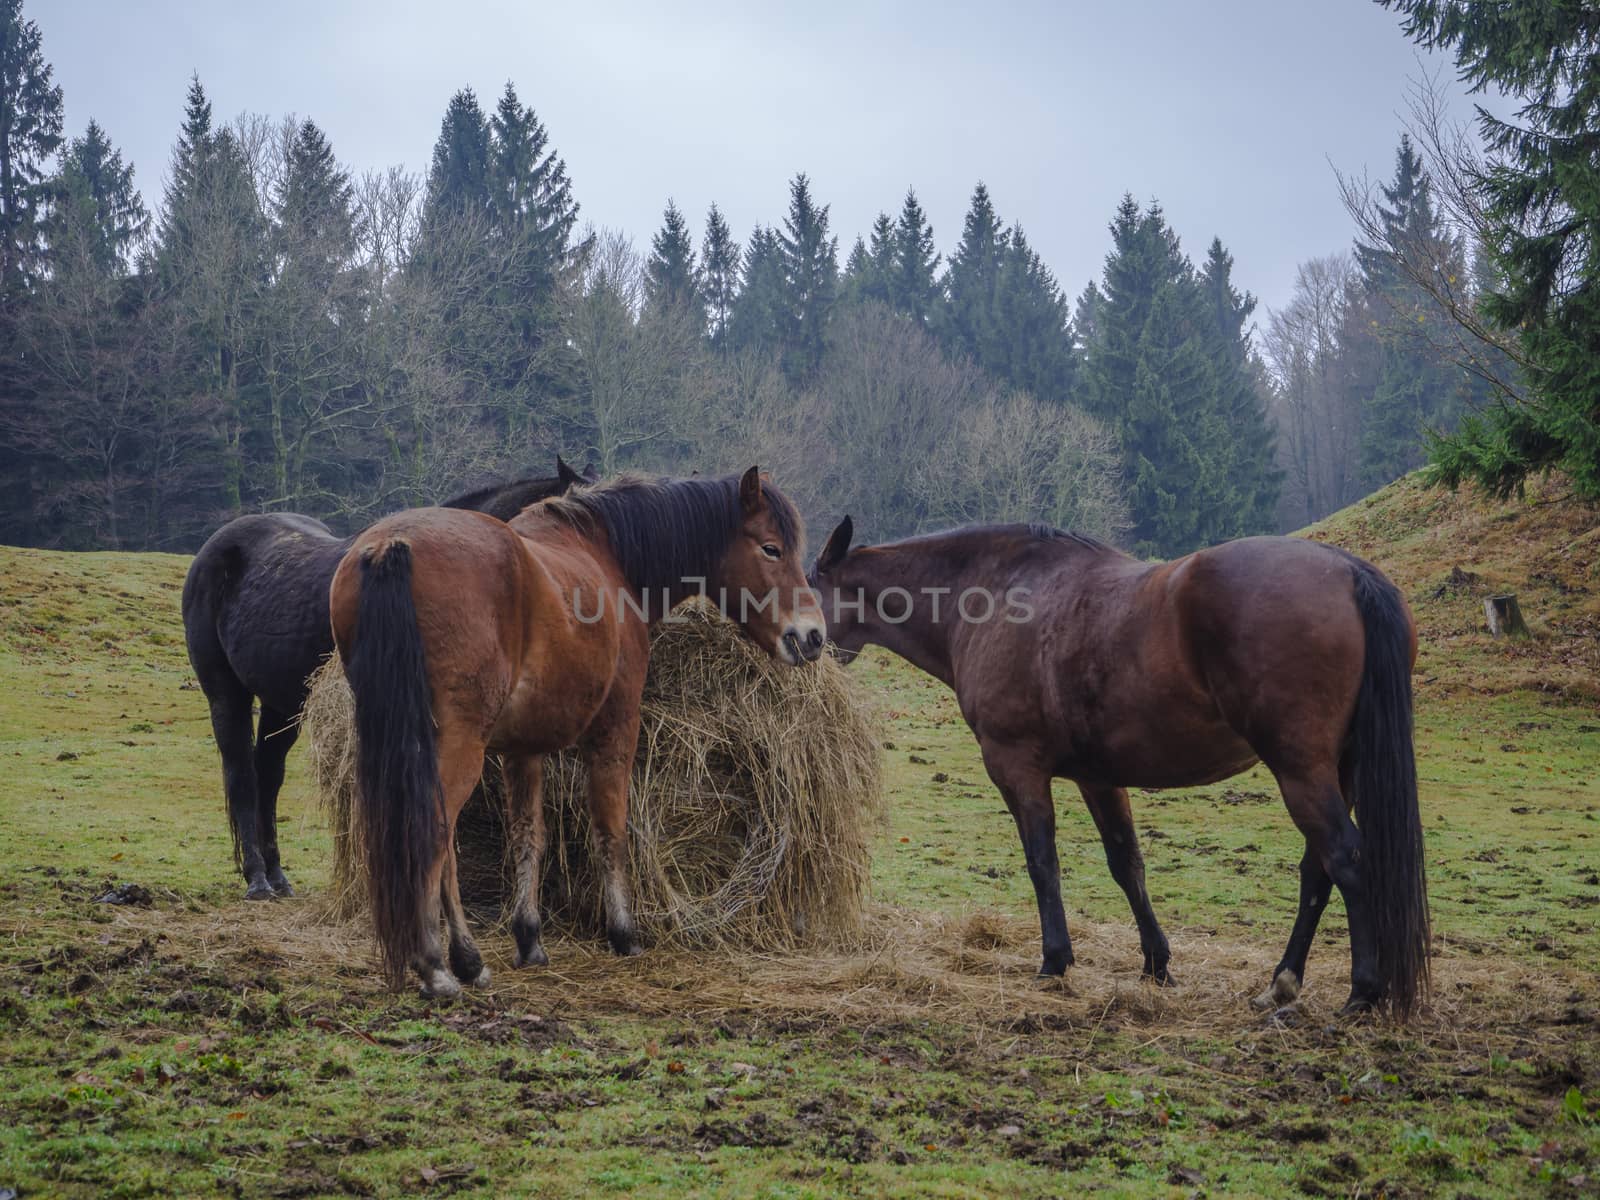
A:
(755, 793)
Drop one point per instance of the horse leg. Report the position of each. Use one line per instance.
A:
(1333, 843)
(460, 766)
(1290, 974)
(525, 799)
(466, 961)
(275, 735)
(1114, 819)
(230, 723)
(1026, 790)
(610, 762)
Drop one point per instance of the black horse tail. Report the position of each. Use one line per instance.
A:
(397, 765)
(1383, 773)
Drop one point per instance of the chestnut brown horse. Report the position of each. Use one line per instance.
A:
(460, 634)
(1072, 660)
(255, 619)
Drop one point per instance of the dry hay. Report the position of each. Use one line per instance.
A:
(971, 974)
(755, 793)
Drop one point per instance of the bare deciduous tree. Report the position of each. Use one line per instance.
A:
(1455, 165)
(637, 397)
(1318, 416)
(1013, 458)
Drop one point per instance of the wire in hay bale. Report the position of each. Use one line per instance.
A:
(755, 792)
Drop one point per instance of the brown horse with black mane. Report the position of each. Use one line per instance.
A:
(255, 619)
(1073, 660)
(461, 634)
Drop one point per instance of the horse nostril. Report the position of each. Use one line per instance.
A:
(814, 640)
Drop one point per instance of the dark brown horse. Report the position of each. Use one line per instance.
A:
(460, 634)
(255, 617)
(1072, 660)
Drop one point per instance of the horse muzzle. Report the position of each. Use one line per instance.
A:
(803, 643)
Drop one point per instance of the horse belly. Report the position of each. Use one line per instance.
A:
(540, 719)
(1165, 747)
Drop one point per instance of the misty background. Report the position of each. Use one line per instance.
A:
(1153, 276)
(1230, 114)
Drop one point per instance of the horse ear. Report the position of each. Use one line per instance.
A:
(591, 472)
(566, 474)
(750, 497)
(838, 545)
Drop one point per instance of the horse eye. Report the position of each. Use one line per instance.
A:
(771, 551)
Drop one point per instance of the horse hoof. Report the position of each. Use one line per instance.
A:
(625, 944)
(281, 888)
(441, 985)
(1283, 991)
(1052, 970)
(260, 891)
(1161, 977)
(482, 978)
(535, 957)
(1287, 1017)
(1357, 1006)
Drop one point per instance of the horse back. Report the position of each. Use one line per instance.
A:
(1176, 673)
(506, 656)
(255, 606)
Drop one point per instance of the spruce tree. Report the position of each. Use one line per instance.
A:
(1152, 373)
(671, 273)
(497, 231)
(853, 279)
(1031, 346)
(458, 177)
(212, 258)
(1415, 390)
(1253, 475)
(1002, 308)
(762, 317)
(967, 326)
(305, 336)
(913, 284)
(1085, 322)
(190, 164)
(1541, 197)
(95, 198)
(719, 276)
(811, 277)
(530, 194)
(869, 271)
(315, 209)
(30, 133)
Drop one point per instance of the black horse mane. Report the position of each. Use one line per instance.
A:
(663, 531)
(987, 534)
(1049, 533)
(505, 500)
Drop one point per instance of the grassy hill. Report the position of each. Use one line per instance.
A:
(1447, 551)
(202, 1045)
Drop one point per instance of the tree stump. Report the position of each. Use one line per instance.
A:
(1505, 616)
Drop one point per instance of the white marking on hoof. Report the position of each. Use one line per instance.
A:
(1284, 990)
(483, 978)
(441, 985)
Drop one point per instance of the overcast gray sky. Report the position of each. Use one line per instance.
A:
(1228, 112)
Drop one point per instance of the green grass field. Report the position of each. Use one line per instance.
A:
(200, 1045)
